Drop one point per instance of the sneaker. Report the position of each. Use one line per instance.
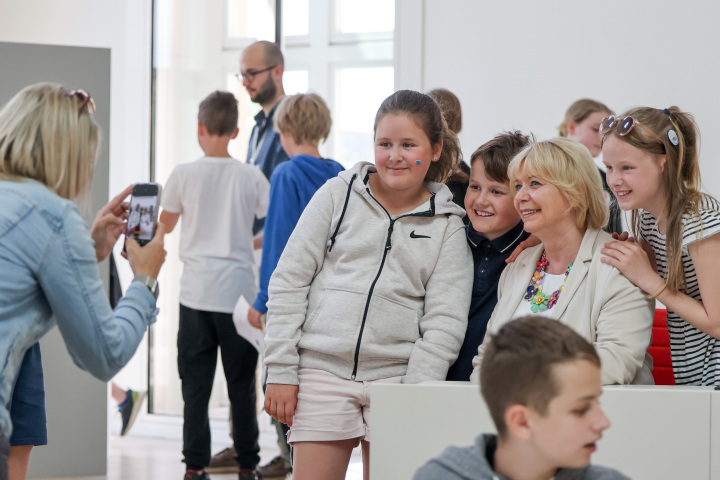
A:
(276, 468)
(129, 409)
(249, 474)
(195, 475)
(223, 462)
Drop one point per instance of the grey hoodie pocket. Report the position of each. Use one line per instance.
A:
(334, 324)
(391, 330)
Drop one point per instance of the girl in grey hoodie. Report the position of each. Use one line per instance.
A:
(374, 284)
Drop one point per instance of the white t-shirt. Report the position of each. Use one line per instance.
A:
(550, 284)
(218, 199)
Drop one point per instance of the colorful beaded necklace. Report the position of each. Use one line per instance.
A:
(540, 300)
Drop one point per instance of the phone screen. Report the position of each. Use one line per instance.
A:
(143, 212)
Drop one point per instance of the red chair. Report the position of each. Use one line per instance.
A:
(660, 350)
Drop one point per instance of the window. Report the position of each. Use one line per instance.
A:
(353, 16)
(355, 114)
(340, 49)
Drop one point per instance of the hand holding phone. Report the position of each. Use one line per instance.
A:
(143, 213)
(147, 260)
(109, 224)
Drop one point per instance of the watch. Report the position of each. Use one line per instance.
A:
(150, 283)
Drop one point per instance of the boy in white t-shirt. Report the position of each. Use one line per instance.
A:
(218, 198)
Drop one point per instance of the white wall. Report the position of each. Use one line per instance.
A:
(519, 64)
(125, 28)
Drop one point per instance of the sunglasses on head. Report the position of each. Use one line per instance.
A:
(622, 126)
(625, 125)
(85, 99)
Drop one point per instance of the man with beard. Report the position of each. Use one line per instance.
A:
(261, 70)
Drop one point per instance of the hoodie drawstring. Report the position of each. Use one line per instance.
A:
(342, 214)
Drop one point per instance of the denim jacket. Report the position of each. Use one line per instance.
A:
(49, 275)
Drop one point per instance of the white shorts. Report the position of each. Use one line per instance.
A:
(330, 408)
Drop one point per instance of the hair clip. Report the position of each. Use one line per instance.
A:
(667, 112)
(672, 136)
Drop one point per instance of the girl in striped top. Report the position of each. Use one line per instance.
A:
(652, 167)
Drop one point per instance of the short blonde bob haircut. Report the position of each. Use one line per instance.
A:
(569, 166)
(47, 134)
(305, 116)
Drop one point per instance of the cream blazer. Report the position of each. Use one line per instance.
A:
(597, 301)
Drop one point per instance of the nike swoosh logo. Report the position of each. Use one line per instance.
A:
(414, 235)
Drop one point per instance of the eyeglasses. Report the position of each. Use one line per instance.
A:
(250, 75)
(85, 99)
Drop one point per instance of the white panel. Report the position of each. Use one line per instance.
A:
(656, 432)
(413, 423)
(715, 436)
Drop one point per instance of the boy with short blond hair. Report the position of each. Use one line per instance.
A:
(541, 383)
(303, 121)
(493, 232)
(218, 198)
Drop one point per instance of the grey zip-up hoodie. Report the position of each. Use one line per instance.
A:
(364, 295)
(471, 463)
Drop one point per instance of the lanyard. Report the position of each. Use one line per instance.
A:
(256, 145)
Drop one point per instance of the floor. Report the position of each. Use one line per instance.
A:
(137, 456)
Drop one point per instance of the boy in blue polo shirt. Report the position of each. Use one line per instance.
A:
(495, 229)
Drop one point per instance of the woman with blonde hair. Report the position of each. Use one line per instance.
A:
(48, 146)
(558, 194)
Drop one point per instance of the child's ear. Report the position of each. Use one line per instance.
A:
(662, 160)
(437, 150)
(202, 130)
(235, 133)
(571, 126)
(517, 420)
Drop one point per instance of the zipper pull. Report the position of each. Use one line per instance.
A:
(388, 243)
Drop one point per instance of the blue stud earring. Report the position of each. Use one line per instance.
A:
(418, 162)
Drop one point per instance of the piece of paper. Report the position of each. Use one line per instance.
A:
(253, 335)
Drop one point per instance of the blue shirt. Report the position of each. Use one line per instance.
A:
(292, 186)
(266, 140)
(489, 260)
(49, 275)
(267, 150)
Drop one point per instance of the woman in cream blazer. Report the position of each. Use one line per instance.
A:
(558, 193)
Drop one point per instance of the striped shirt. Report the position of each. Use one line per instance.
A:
(695, 355)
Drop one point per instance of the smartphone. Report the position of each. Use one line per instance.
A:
(143, 214)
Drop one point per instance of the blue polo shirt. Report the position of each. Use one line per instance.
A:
(489, 259)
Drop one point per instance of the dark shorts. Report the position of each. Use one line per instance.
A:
(27, 403)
